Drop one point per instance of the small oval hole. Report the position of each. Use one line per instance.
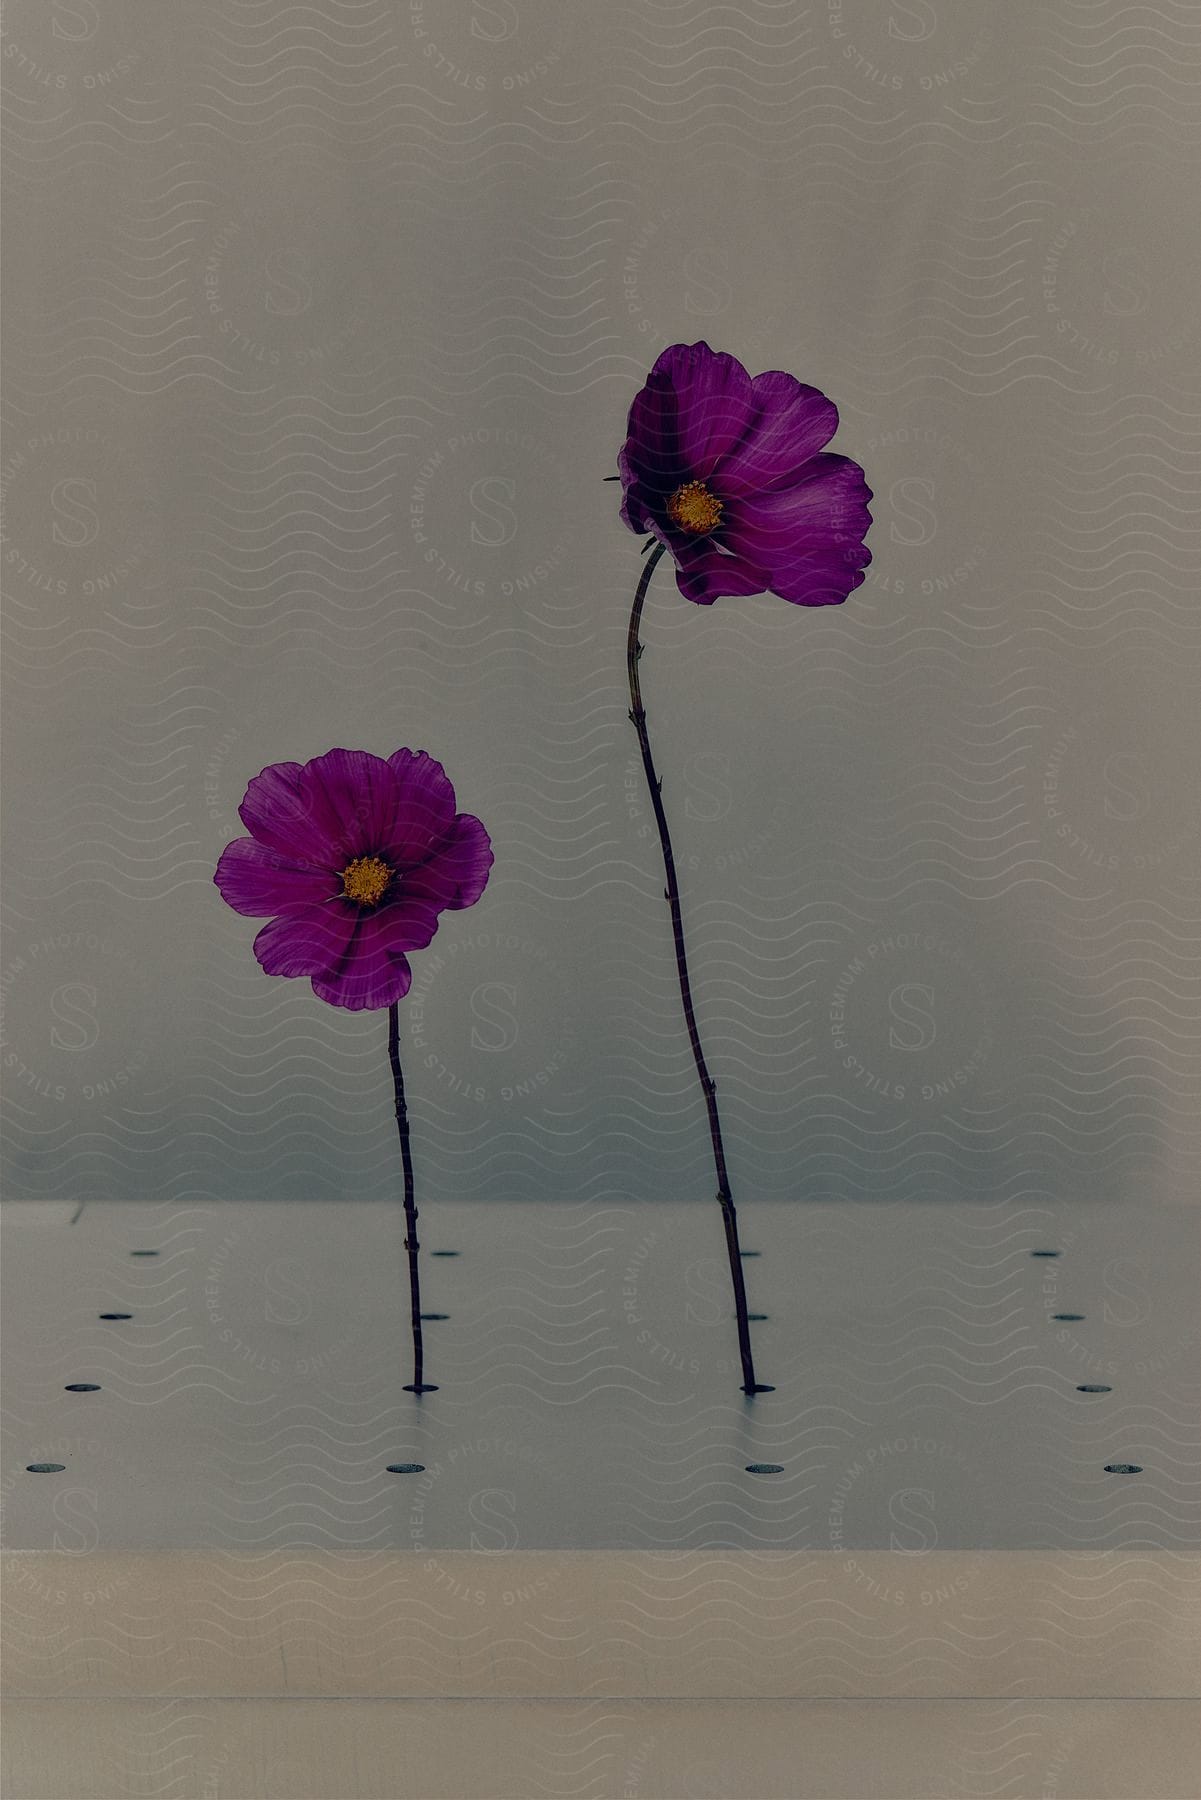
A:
(1093, 1387)
(143, 1253)
(1123, 1468)
(82, 1387)
(406, 1468)
(765, 1468)
(45, 1468)
(116, 1315)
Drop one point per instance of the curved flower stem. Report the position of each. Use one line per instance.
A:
(411, 1244)
(672, 896)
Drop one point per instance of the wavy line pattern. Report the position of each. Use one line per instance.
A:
(323, 320)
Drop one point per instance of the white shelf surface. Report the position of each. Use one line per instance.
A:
(583, 1543)
(587, 1378)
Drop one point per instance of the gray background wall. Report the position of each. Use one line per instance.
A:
(322, 325)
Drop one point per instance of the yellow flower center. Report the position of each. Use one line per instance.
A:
(694, 508)
(365, 880)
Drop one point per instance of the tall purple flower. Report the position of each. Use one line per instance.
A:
(726, 471)
(352, 858)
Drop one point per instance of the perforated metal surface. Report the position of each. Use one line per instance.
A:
(941, 1381)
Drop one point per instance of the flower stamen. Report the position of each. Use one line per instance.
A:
(365, 880)
(694, 508)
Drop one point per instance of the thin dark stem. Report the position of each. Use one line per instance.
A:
(411, 1244)
(672, 896)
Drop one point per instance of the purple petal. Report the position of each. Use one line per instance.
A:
(695, 407)
(280, 811)
(789, 424)
(408, 922)
(359, 795)
(634, 500)
(367, 991)
(258, 881)
(828, 507)
(375, 972)
(457, 872)
(355, 958)
(819, 577)
(425, 807)
(309, 940)
(714, 404)
(324, 811)
(651, 453)
(703, 574)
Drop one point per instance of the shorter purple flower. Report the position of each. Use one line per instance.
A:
(724, 470)
(352, 857)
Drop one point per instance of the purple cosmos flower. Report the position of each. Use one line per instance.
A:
(352, 858)
(724, 470)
